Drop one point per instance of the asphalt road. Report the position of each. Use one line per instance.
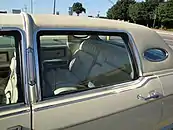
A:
(167, 37)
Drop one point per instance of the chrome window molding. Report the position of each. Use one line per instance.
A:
(91, 94)
(24, 59)
(38, 85)
(131, 42)
(13, 109)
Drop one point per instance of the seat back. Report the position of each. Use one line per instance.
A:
(83, 59)
(112, 64)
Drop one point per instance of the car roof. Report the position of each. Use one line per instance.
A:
(55, 21)
(143, 37)
(50, 20)
(11, 20)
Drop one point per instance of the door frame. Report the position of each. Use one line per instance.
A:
(19, 108)
(131, 44)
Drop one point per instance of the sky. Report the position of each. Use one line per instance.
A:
(45, 6)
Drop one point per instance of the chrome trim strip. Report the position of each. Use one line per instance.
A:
(165, 74)
(134, 48)
(66, 103)
(91, 94)
(15, 113)
(24, 63)
(160, 73)
(14, 109)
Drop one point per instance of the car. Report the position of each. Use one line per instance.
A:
(79, 73)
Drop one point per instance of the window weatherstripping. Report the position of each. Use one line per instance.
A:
(155, 54)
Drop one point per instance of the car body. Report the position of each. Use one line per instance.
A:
(76, 73)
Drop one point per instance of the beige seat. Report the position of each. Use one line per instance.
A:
(84, 59)
(112, 65)
(79, 67)
(109, 58)
(92, 59)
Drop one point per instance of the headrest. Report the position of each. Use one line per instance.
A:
(90, 46)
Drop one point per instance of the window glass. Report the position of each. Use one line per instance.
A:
(10, 77)
(53, 40)
(99, 60)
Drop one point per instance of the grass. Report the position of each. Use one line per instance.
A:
(170, 29)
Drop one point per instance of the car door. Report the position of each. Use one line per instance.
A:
(14, 111)
(131, 104)
(167, 118)
(108, 109)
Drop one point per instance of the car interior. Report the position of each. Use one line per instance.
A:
(72, 63)
(9, 68)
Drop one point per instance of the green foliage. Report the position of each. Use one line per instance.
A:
(138, 12)
(120, 10)
(150, 13)
(143, 12)
(78, 8)
(165, 14)
(161, 12)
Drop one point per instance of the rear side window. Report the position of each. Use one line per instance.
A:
(11, 88)
(92, 60)
(155, 54)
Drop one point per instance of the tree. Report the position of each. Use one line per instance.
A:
(161, 13)
(151, 6)
(155, 1)
(78, 8)
(138, 13)
(150, 13)
(120, 10)
(144, 12)
(165, 14)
